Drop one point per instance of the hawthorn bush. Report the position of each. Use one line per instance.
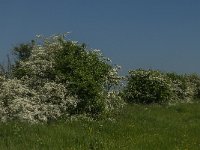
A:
(182, 87)
(22, 103)
(54, 77)
(195, 80)
(147, 87)
(87, 73)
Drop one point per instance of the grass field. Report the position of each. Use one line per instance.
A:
(136, 127)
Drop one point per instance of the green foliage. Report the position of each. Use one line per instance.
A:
(195, 80)
(147, 86)
(182, 88)
(6, 69)
(21, 52)
(85, 73)
(2, 70)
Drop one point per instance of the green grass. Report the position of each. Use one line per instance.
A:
(136, 127)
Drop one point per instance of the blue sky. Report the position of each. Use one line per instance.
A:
(156, 34)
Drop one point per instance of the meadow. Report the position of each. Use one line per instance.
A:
(46, 94)
(135, 127)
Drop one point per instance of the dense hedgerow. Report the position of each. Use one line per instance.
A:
(54, 77)
(147, 86)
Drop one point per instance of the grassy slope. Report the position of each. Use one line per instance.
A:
(137, 127)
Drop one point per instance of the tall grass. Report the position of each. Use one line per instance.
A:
(136, 127)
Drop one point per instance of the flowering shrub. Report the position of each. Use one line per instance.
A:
(20, 102)
(88, 74)
(114, 101)
(147, 86)
(57, 78)
(182, 88)
(16, 101)
(194, 79)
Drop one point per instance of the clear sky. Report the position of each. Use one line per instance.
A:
(156, 34)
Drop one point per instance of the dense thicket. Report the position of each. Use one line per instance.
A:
(151, 86)
(147, 86)
(55, 77)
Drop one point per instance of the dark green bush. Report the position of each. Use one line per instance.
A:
(147, 86)
(86, 72)
(21, 53)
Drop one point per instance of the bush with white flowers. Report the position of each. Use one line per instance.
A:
(20, 102)
(147, 86)
(182, 87)
(17, 101)
(55, 78)
(150, 86)
(194, 79)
